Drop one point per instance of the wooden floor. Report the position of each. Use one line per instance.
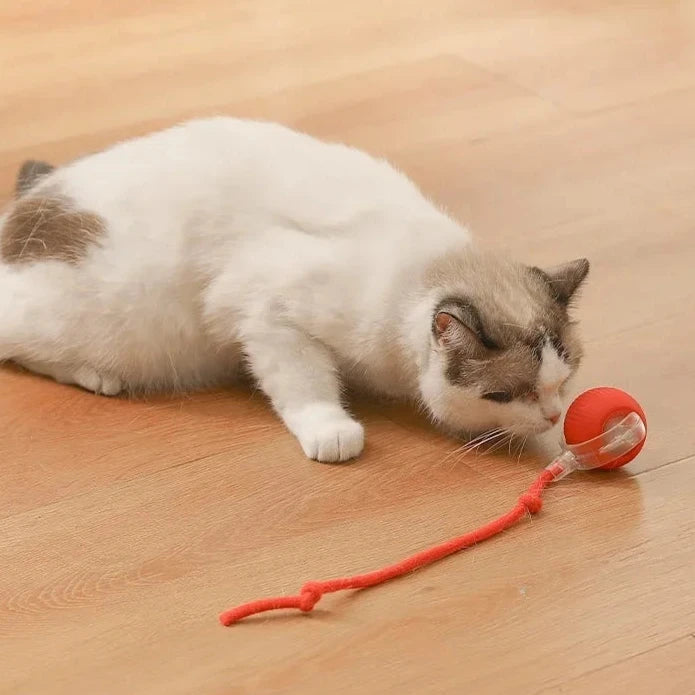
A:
(556, 129)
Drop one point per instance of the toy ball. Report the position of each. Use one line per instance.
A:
(604, 428)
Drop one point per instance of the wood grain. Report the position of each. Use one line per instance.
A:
(557, 130)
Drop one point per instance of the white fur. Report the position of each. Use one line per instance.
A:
(229, 237)
(552, 375)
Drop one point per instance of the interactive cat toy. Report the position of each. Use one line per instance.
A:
(604, 428)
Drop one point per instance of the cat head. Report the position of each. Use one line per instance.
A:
(502, 344)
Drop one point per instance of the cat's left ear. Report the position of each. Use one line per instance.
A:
(564, 280)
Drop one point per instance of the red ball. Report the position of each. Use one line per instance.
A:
(592, 412)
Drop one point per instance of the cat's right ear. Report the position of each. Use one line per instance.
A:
(564, 280)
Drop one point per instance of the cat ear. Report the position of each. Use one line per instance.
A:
(564, 280)
(29, 173)
(448, 330)
(458, 323)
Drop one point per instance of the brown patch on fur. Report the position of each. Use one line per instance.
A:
(29, 174)
(514, 370)
(47, 227)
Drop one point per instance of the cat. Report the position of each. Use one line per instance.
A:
(176, 260)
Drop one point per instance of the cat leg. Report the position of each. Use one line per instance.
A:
(300, 378)
(91, 380)
(34, 328)
(84, 377)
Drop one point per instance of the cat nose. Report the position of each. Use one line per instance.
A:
(553, 419)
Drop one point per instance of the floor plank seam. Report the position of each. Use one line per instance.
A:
(623, 660)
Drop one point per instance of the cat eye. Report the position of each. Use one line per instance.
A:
(498, 396)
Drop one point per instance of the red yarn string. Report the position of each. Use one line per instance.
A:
(311, 593)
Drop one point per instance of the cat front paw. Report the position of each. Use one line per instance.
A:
(333, 441)
(328, 434)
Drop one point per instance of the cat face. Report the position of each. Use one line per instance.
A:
(503, 348)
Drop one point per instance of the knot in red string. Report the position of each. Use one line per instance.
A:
(309, 596)
(532, 502)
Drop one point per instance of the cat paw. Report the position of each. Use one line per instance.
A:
(334, 441)
(328, 434)
(91, 380)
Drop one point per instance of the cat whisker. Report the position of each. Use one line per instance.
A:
(472, 443)
(498, 445)
(480, 440)
(521, 448)
(477, 446)
(459, 454)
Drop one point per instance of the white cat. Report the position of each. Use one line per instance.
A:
(169, 261)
